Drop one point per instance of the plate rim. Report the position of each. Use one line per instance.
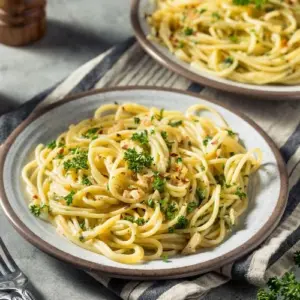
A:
(117, 272)
(186, 73)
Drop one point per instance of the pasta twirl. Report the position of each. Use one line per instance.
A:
(136, 183)
(240, 40)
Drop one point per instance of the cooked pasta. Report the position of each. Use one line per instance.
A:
(255, 42)
(137, 184)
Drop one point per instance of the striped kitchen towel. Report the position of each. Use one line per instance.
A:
(127, 64)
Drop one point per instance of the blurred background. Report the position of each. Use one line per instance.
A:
(77, 31)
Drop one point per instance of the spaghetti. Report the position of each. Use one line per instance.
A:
(238, 40)
(137, 184)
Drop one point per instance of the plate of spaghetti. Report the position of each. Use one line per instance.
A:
(142, 183)
(248, 47)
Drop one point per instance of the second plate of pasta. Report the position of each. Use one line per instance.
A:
(143, 183)
(248, 47)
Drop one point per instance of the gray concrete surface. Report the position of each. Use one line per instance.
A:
(78, 30)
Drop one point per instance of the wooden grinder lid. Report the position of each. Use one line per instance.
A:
(22, 21)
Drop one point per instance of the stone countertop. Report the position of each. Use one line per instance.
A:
(78, 30)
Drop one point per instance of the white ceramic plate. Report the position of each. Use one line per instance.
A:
(268, 191)
(140, 8)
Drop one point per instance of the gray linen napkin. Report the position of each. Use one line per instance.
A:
(127, 64)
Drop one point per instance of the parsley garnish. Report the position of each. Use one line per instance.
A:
(202, 10)
(233, 38)
(168, 209)
(137, 161)
(141, 137)
(81, 239)
(82, 225)
(175, 123)
(164, 135)
(258, 3)
(150, 202)
(179, 160)
(182, 223)
(80, 161)
(216, 15)
(158, 182)
(230, 132)
(188, 31)
(51, 145)
(85, 180)
(69, 197)
(228, 60)
(37, 209)
(138, 221)
(220, 179)
(171, 229)
(239, 193)
(191, 206)
(165, 258)
(200, 195)
(92, 133)
(137, 120)
(206, 140)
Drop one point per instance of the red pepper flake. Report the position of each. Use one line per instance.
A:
(35, 197)
(173, 154)
(215, 142)
(125, 147)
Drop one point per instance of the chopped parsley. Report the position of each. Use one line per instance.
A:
(202, 11)
(228, 60)
(138, 221)
(206, 140)
(152, 131)
(230, 132)
(69, 197)
(179, 160)
(240, 193)
(216, 15)
(169, 209)
(200, 195)
(141, 137)
(51, 145)
(175, 123)
(82, 225)
(258, 3)
(233, 38)
(164, 135)
(137, 120)
(150, 202)
(92, 133)
(85, 180)
(158, 182)
(79, 161)
(81, 238)
(191, 206)
(37, 209)
(60, 156)
(129, 218)
(220, 179)
(188, 31)
(137, 161)
(182, 223)
(171, 229)
(165, 258)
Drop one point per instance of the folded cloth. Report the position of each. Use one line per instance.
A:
(127, 64)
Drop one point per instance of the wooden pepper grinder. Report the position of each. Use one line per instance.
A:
(22, 21)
